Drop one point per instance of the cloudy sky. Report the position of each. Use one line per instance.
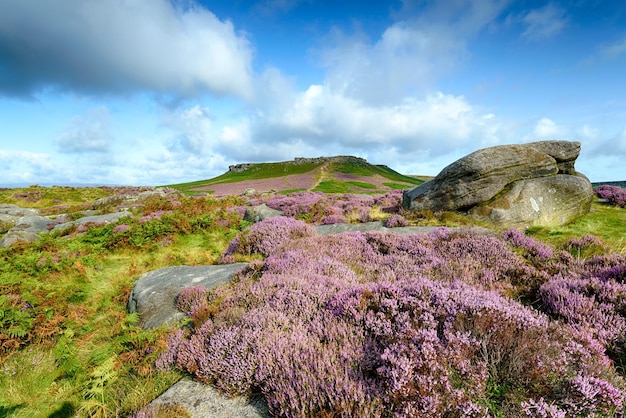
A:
(152, 92)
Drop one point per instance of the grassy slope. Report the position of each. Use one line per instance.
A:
(328, 183)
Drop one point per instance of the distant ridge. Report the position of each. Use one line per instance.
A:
(336, 174)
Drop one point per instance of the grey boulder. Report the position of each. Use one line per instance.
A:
(260, 213)
(546, 201)
(532, 184)
(154, 294)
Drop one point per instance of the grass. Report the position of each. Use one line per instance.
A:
(604, 221)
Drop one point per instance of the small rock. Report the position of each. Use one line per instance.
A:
(260, 213)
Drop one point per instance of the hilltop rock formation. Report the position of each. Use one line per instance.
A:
(517, 186)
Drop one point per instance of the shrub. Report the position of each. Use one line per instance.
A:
(269, 235)
(614, 195)
(385, 324)
(395, 221)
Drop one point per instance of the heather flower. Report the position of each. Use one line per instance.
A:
(614, 195)
(267, 236)
(405, 325)
(191, 299)
(395, 221)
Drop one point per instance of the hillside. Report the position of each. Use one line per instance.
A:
(341, 174)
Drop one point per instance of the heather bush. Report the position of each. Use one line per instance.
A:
(614, 195)
(373, 324)
(267, 236)
(395, 221)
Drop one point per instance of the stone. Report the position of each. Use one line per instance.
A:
(154, 294)
(564, 152)
(95, 219)
(518, 186)
(127, 200)
(15, 236)
(204, 401)
(478, 177)
(260, 213)
(546, 201)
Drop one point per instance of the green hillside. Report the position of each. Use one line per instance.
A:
(343, 174)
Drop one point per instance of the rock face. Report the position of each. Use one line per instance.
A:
(518, 186)
(154, 294)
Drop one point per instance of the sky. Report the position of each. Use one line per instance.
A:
(155, 92)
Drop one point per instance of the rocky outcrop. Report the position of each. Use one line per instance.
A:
(154, 294)
(131, 199)
(520, 186)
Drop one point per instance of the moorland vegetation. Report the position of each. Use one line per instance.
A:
(449, 323)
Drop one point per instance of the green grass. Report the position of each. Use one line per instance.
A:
(603, 221)
(45, 197)
(68, 345)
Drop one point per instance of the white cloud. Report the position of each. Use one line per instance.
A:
(192, 128)
(176, 49)
(87, 133)
(544, 23)
(21, 167)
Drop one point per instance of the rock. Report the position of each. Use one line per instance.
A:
(154, 294)
(15, 236)
(546, 201)
(260, 213)
(502, 185)
(204, 401)
(127, 200)
(17, 211)
(95, 219)
(564, 152)
(478, 177)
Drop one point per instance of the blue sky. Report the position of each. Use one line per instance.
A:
(151, 92)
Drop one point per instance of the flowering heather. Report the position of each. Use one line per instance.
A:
(395, 221)
(121, 228)
(267, 236)
(191, 299)
(614, 195)
(532, 247)
(373, 324)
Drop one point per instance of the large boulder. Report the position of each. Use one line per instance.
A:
(544, 201)
(478, 177)
(532, 184)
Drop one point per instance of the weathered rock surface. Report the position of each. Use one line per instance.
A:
(127, 200)
(260, 212)
(491, 183)
(204, 401)
(26, 229)
(95, 219)
(154, 294)
(546, 201)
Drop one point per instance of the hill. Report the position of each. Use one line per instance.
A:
(340, 174)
